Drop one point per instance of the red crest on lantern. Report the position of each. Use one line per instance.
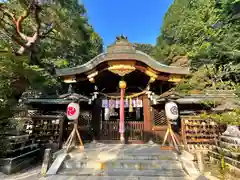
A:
(73, 111)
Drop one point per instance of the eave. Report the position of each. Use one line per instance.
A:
(109, 57)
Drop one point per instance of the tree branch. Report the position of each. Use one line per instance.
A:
(18, 23)
(37, 11)
(44, 34)
(29, 42)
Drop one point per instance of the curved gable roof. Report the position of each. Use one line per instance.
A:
(122, 50)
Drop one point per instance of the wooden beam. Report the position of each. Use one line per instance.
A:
(175, 78)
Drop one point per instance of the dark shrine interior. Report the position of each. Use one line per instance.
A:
(108, 82)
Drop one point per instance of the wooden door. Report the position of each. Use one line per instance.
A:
(133, 130)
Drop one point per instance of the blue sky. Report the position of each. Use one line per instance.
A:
(139, 20)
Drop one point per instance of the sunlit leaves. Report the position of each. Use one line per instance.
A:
(71, 42)
(232, 117)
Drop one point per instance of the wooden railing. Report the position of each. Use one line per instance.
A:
(134, 130)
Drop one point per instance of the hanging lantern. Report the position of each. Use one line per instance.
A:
(139, 102)
(154, 101)
(105, 103)
(117, 105)
(171, 110)
(134, 103)
(92, 80)
(126, 103)
(148, 94)
(151, 97)
(111, 103)
(95, 95)
(89, 101)
(106, 114)
(122, 84)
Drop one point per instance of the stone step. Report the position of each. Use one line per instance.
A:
(228, 160)
(227, 145)
(124, 156)
(148, 156)
(124, 172)
(229, 139)
(108, 157)
(124, 164)
(227, 152)
(67, 177)
(125, 149)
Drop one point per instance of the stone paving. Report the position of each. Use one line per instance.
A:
(118, 161)
(122, 154)
(33, 173)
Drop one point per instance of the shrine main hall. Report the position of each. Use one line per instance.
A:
(123, 85)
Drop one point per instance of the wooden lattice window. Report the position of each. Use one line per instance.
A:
(159, 117)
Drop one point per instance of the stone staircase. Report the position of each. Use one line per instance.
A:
(117, 161)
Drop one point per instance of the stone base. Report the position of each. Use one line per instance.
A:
(151, 142)
(13, 165)
(232, 131)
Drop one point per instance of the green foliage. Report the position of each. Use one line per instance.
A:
(208, 77)
(232, 117)
(146, 48)
(199, 81)
(65, 39)
(206, 31)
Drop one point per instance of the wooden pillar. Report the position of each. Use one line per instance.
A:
(147, 118)
(122, 86)
(96, 118)
(121, 122)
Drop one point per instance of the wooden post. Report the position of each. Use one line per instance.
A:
(183, 131)
(122, 86)
(96, 118)
(76, 127)
(46, 161)
(61, 133)
(147, 118)
(121, 122)
(200, 160)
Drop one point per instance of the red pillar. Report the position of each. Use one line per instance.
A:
(121, 123)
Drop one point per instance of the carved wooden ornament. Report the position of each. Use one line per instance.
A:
(121, 69)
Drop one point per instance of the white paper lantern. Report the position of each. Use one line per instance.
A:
(72, 111)
(171, 110)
